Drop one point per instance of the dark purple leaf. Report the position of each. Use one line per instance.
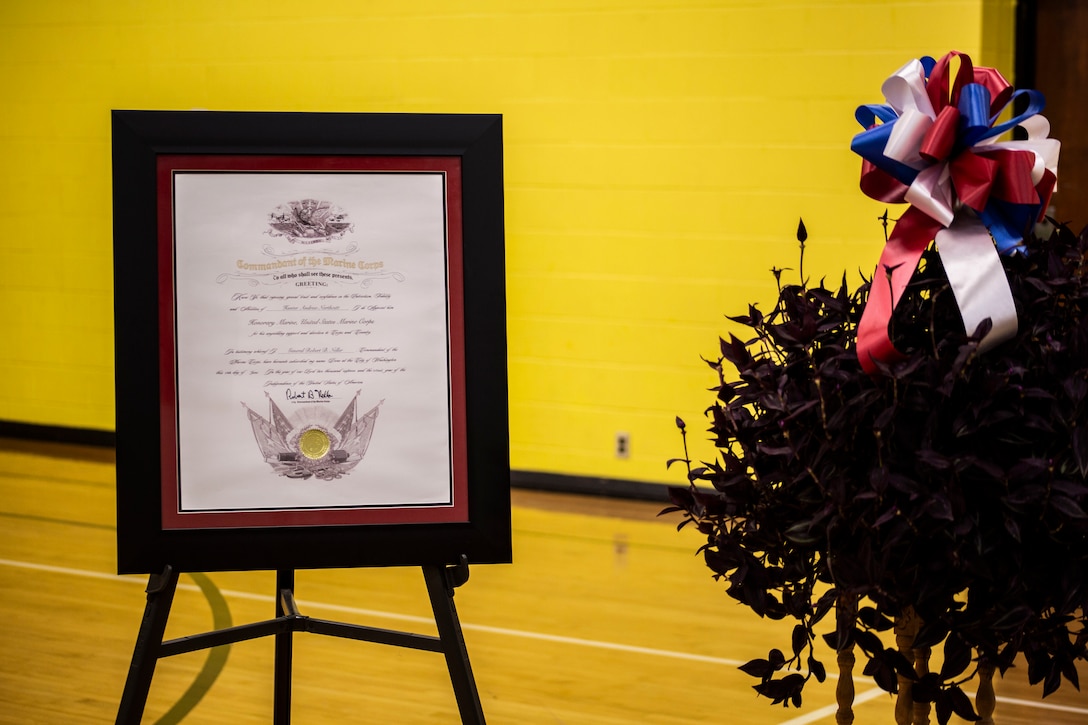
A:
(1069, 671)
(933, 459)
(1027, 470)
(899, 663)
(737, 353)
(769, 450)
(800, 638)
(868, 642)
(1012, 527)
(1071, 489)
(1029, 494)
(781, 690)
(801, 533)
(824, 604)
(961, 704)
(883, 674)
(940, 508)
(957, 657)
(875, 620)
(1067, 506)
(927, 688)
(942, 707)
(755, 316)
(1053, 680)
(760, 668)
(887, 516)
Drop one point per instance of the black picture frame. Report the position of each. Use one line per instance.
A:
(141, 139)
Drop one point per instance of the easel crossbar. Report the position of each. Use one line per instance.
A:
(297, 623)
(374, 634)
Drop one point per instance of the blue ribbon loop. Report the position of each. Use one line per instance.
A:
(870, 145)
(1036, 104)
(974, 108)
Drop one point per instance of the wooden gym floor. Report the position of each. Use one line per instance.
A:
(606, 617)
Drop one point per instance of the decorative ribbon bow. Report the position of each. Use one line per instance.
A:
(934, 145)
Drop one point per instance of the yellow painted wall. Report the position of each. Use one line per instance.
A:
(658, 154)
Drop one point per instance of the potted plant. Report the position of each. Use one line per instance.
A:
(935, 483)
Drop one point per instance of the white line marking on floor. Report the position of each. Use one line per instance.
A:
(801, 720)
(303, 604)
(829, 710)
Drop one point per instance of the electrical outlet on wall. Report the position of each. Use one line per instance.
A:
(623, 445)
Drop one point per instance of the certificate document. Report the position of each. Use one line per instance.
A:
(315, 327)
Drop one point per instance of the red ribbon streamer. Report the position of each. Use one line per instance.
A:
(912, 234)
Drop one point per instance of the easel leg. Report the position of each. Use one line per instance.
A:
(440, 590)
(285, 580)
(160, 596)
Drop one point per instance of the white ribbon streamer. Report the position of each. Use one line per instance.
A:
(977, 278)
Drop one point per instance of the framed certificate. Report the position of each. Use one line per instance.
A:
(310, 340)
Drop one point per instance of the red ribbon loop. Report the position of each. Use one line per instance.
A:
(941, 136)
(937, 87)
(972, 178)
(1013, 182)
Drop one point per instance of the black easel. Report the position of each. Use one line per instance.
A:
(441, 581)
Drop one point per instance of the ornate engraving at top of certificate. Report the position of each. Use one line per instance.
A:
(312, 343)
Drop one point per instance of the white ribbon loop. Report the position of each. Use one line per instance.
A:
(906, 88)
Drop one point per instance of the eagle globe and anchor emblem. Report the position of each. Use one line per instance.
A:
(309, 221)
(314, 442)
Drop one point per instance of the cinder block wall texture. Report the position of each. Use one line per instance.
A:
(658, 155)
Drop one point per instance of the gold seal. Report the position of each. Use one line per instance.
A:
(314, 443)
